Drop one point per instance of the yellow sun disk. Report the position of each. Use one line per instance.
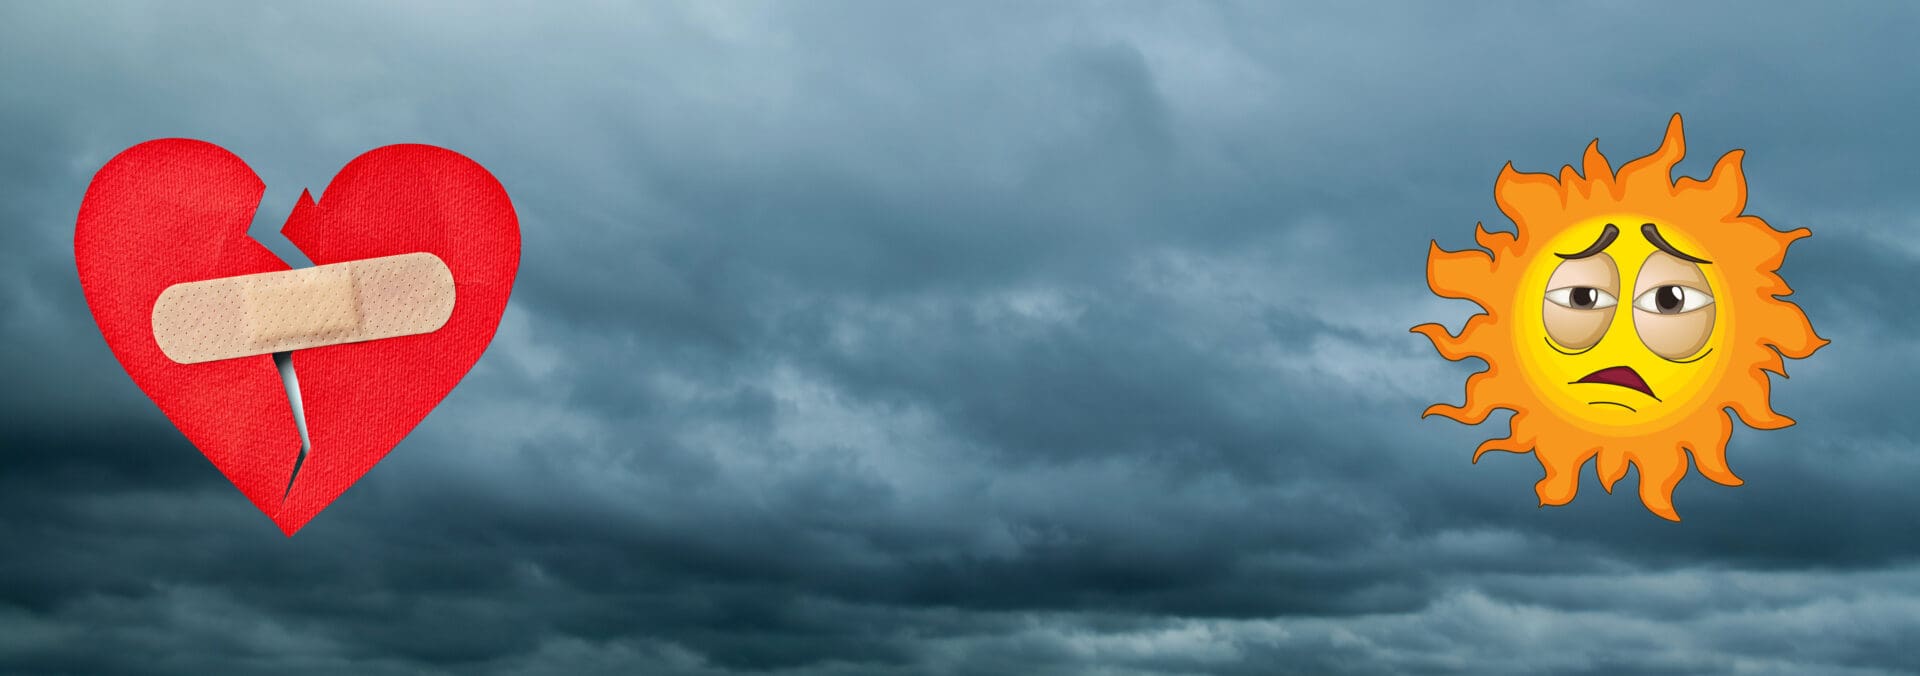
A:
(1552, 374)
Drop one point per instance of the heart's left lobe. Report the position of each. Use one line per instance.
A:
(171, 211)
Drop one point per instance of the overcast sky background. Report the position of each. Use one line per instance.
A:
(968, 338)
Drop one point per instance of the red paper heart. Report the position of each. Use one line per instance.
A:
(176, 210)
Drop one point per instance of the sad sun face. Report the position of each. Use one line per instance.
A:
(1622, 328)
(1626, 313)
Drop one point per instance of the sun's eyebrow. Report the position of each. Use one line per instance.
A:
(1653, 237)
(1606, 239)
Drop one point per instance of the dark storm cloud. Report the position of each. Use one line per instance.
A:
(870, 339)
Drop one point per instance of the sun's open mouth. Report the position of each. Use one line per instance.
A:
(1623, 376)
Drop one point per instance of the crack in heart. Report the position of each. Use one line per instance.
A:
(284, 362)
(271, 233)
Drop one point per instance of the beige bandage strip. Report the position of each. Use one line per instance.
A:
(297, 309)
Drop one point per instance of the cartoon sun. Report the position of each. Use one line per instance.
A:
(1624, 316)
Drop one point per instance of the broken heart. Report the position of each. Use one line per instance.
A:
(176, 211)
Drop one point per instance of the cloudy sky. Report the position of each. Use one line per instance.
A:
(967, 338)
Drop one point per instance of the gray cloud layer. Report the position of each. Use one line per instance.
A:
(971, 339)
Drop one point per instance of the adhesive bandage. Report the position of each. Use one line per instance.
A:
(271, 312)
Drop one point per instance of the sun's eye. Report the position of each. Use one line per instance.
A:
(1672, 299)
(1582, 298)
(1577, 316)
